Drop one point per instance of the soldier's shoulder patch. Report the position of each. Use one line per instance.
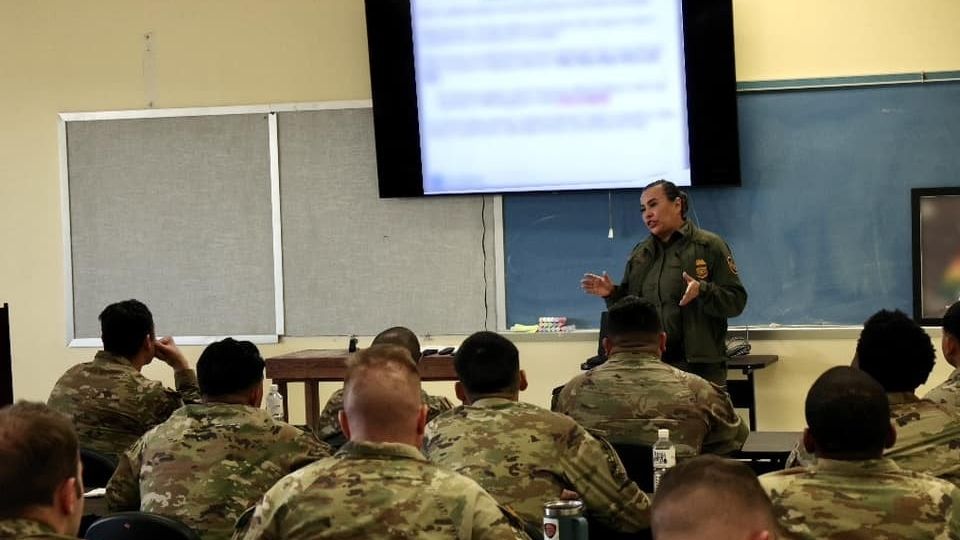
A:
(732, 265)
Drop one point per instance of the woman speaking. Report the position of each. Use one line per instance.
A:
(689, 275)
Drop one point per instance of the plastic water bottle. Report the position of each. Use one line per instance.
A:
(664, 456)
(275, 402)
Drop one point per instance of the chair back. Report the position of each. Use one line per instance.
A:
(139, 526)
(6, 360)
(638, 461)
(97, 468)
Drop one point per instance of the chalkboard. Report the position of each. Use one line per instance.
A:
(821, 227)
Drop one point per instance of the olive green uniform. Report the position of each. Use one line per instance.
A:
(696, 333)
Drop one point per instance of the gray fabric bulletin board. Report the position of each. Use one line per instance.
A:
(175, 212)
(178, 212)
(355, 263)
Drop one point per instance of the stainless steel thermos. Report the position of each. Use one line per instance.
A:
(563, 520)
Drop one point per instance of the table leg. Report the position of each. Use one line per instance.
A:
(753, 400)
(282, 387)
(743, 395)
(312, 402)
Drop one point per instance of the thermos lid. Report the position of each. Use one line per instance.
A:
(563, 508)
(663, 433)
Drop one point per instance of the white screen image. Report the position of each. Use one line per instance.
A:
(550, 94)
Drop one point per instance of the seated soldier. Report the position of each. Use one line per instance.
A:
(898, 354)
(687, 503)
(40, 471)
(379, 485)
(854, 492)
(948, 393)
(211, 461)
(110, 402)
(634, 393)
(522, 454)
(329, 423)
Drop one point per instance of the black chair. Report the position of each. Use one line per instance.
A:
(601, 356)
(6, 360)
(97, 468)
(638, 461)
(139, 526)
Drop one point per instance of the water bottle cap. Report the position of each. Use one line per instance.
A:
(274, 388)
(663, 433)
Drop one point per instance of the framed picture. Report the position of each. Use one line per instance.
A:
(936, 252)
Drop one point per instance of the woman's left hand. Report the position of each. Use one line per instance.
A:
(693, 290)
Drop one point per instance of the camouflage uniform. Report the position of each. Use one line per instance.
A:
(208, 463)
(329, 423)
(928, 438)
(15, 529)
(112, 404)
(634, 393)
(868, 500)
(948, 393)
(525, 456)
(378, 491)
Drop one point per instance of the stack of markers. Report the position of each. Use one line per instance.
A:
(554, 325)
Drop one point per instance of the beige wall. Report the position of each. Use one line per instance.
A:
(59, 56)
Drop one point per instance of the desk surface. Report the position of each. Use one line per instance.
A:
(752, 361)
(330, 365)
(770, 441)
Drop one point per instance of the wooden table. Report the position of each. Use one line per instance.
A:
(313, 366)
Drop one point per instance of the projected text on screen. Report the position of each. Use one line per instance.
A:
(550, 93)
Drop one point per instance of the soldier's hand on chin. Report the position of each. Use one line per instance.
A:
(168, 352)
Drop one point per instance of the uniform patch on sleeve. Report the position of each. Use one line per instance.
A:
(702, 272)
(732, 265)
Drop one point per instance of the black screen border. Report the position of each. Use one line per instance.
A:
(710, 76)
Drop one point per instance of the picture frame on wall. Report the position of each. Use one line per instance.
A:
(936, 252)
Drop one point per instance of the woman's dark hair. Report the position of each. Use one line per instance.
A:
(672, 192)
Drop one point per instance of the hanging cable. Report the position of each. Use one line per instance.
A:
(610, 214)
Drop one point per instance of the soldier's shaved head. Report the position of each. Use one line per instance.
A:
(709, 498)
(632, 322)
(848, 415)
(399, 335)
(488, 363)
(381, 397)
